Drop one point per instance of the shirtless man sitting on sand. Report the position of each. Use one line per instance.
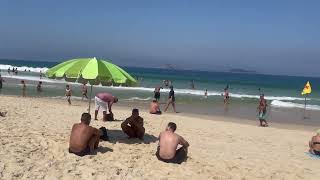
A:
(168, 143)
(133, 126)
(314, 144)
(84, 138)
(154, 107)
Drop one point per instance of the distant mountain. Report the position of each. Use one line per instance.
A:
(238, 70)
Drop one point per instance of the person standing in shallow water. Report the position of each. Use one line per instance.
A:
(171, 100)
(23, 88)
(84, 91)
(39, 89)
(1, 80)
(157, 93)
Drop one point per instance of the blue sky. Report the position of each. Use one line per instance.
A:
(277, 37)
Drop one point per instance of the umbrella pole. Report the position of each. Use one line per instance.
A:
(90, 100)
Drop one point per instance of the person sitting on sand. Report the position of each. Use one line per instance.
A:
(84, 138)
(154, 107)
(314, 144)
(133, 126)
(168, 142)
(105, 101)
(262, 108)
(68, 93)
(171, 100)
(84, 91)
(23, 88)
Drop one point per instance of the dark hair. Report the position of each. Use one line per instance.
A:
(115, 99)
(135, 110)
(85, 117)
(154, 100)
(172, 126)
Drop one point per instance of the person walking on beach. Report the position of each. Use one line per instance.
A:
(133, 126)
(157, 93)
(168, 142)
(171, 100)
(84, 138)
(262, 108)
(104, 101)
(206, 94)
(23, 88)
(84, 91)
(68, 93)
(314, 144)
(39, 89)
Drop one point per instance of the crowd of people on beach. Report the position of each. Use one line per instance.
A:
(84, 138)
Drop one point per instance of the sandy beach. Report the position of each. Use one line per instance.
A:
(34, 145)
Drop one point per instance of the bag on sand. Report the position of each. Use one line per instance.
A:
(104, 135)
(108, 117)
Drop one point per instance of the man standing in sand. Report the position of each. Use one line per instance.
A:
(84, 138)
(133, 126)
(314, 144)
(104, 101)
(262, 108)
(171, 100)
(168, 142)
(154, 107)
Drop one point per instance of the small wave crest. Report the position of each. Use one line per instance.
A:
(23, 68)
(282, 104)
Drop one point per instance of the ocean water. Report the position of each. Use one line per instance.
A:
(280, 91)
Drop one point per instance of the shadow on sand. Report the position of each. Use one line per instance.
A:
(117, 136)
(102, 150)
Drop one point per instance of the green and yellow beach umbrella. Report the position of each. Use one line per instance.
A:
(92, 70)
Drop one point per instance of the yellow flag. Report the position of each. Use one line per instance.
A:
(306, 89)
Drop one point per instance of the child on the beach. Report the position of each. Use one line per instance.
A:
(24, 88)
(68, 94)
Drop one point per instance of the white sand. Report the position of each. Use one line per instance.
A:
(34, 145)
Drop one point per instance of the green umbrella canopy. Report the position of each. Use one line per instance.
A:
(92, 70)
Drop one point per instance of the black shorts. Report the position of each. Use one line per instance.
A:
(84, 152)
(316, 152)
(158, 112)
(181, 156)
(157, 95)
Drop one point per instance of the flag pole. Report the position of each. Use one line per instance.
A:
(90, 99)
(305, 107)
